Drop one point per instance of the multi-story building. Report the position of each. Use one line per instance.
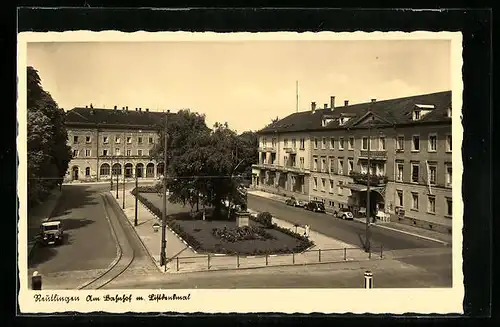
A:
(112, 142)
(405, 144)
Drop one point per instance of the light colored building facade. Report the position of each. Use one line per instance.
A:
(108, 143)
(409, 152)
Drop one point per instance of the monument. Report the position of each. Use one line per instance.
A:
(242, 215)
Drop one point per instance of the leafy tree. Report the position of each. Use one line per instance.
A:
(48, 152)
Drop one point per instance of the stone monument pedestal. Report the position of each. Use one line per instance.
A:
(242, 218)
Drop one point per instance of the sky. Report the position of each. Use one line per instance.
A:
(244, 83)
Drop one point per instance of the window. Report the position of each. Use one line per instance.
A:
(87, 153)
(449, 177)
(117, 151)
(323, 164)
(87, 139)
(364, 143)
(104, 152)
(104, 170)
(416, 114)
(332, 165)
(128, 153)
(339, 188)
(315, 180)
(381, 143)
(341, 143)
(351, 143)
(151, 141)
(323, 184)
(294, 143)
(315, 164)
(399, 171)
(285, 143)
(75, 139)
(350, 166)
(399, 196)
(302, 143)
(315, 143)
(139, 152)
(432, 174)
(449, 143)
(449, 206)
(117, 139)
(364, 169)
(75, 153)
(129, 140)
(105, 140)
(331, 186)
(139, 140)
(432, 143)
(414, 201)
(400, 143)
(431, 204)
(87, 171)
(415, 172)
(323, 143)
(301, 159)
(332, 143)
(341, 167)
(285, 160)
(415, 143)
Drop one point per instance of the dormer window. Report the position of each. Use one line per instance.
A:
(343, 120)
(448, 113)
(416, 114)
(421, 110)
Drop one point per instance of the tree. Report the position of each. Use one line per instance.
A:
(48, 152)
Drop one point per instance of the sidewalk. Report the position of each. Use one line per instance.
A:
(39, 214)
(394, 226)
(127, 180)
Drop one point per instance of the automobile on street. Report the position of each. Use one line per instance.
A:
(343, 213)
(51, 233)
(315, 206)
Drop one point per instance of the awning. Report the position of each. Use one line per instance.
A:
(356, 187)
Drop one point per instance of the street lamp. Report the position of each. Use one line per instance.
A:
(123, 194)
(368, 209)
(136, 185)
(163, 251)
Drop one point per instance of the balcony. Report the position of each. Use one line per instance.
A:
(374, 155)
(290, 150)
(375, 180)
(295, 169)
(271, 149)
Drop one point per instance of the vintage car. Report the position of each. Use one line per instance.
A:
(315, 206)
(51, 233)
(344, 213)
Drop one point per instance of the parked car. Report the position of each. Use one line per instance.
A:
(315, 206)
(343, 213)
(294, 202)
(51, 233)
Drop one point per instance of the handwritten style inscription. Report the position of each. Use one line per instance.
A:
(117, 298)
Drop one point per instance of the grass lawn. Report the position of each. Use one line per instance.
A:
(206, 242)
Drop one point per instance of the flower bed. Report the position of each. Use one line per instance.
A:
(146, 189)
(245, 233)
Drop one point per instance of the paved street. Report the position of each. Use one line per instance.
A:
(387, 274)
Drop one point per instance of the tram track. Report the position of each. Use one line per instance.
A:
(126, 253)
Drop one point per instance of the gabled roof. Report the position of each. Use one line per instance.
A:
(111, 117)
(394, 111)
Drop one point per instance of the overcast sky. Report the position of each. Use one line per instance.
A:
(244, 83)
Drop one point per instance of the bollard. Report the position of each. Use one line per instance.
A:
(319, 255)
(36, 282)
(237, 260)
(293, 257)
(369, 252)
(177, 263)
(381, 252)
(368, 279)
(267, 259)
(208, 262)
(345, 254)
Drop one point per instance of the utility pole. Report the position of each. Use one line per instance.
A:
(164, 211)
(136, 185)
(368, 208)
(123, 194)
(117, 176)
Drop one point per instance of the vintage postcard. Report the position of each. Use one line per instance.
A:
(240, 172)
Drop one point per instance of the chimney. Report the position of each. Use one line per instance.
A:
(346, 103)
(86, 106)
(147, 109)
(313, 106)
(126, 108)
(373, 100)
(326, 105)
(114, 107)
(91, 106)
(332, 102)
(135, 109)
(140, 109)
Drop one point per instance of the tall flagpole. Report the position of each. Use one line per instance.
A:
(297, 96)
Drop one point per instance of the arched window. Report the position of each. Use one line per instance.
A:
(117, 169)
(104, 171)
(150, 170)
(87, 171)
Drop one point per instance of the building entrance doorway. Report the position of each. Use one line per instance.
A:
(75, 173)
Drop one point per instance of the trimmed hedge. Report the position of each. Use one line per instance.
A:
(170, 222)
(265, 219)
(241, 234)
(147, 189)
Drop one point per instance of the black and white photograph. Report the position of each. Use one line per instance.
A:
(168, 170)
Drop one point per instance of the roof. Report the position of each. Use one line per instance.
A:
(388, 112)
(111, 117)
(51, 223)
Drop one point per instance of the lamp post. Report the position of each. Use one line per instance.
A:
(368, 210)
(136, 185)
(117, 176)
(164, 211)
(232, 176)
(123, 193)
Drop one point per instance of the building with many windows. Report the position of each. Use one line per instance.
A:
(112, 141)
(399, 148)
